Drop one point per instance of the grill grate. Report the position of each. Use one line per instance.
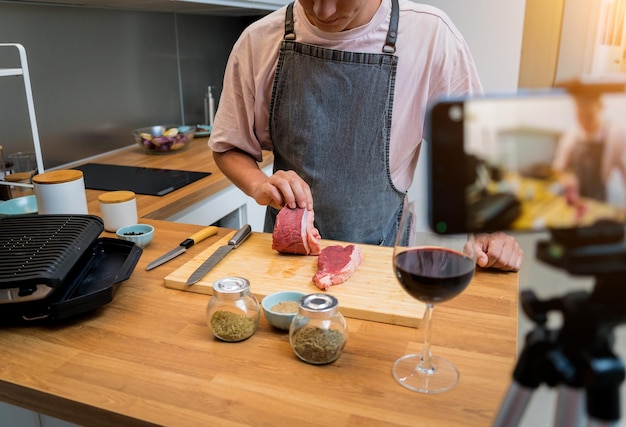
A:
(42, 249)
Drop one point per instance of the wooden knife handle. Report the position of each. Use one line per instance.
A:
(203, 234)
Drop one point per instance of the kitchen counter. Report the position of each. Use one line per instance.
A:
(197, 157)
(148, 358)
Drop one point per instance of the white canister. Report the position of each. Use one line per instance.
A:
(118, 209)
(61, 192)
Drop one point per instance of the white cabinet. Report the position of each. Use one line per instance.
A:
(230, 208)
(47, 421)
(14, 416)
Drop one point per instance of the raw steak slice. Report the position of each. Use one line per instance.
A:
(294, 232)
(336, 264)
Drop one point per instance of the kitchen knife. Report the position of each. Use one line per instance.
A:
(184, 245)
(219, 254)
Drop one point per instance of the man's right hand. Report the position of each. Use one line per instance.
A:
(280, 189)
(283, 188)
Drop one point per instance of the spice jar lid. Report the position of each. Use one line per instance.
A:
(18, 176)
(58, 176)
(231, 287)
(319, 305)
(116, 196)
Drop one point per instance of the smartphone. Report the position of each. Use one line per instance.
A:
(526, 162)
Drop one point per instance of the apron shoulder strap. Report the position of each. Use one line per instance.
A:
(290, 33)
(392, 33)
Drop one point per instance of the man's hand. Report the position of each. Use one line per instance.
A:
(283, 188)
(280, 189)
(498, 250)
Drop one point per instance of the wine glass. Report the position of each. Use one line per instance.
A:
(432, 268)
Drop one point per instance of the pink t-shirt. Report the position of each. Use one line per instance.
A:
(434, 61)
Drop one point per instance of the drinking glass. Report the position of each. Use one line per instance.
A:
(23, 162)
(432, 268)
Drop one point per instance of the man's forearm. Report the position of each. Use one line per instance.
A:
(241, 168)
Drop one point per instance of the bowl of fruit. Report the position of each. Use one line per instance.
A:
(164, 139)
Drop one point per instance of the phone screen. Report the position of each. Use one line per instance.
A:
(527, 162)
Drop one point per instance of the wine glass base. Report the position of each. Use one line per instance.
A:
(408, 372)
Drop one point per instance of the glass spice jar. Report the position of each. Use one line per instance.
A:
(233, 311)
(318, 333)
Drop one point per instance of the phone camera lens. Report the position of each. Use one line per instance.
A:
(455, 113)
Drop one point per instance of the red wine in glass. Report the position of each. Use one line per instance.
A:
(433, 274)
(432, 268)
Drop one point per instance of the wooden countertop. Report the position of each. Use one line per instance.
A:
(148, 358)
(197, 157)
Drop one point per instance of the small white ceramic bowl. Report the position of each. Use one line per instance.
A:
(140, 234)
(276, 319)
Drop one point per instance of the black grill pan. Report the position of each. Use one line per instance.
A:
(43, 249)
(53, 267)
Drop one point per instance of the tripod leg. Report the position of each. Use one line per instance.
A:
(513, 406)
(603, 405)
(570, 408)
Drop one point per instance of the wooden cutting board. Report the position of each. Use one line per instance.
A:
(372, 293)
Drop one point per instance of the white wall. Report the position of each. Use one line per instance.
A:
(493, 30)
(578, 35)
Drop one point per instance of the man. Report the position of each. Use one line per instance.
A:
(588, 155)
(317, 83)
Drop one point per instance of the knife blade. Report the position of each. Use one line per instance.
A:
(184, 245)
(219, 254)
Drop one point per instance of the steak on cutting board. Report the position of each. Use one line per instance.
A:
(294, 232)
(336, 264)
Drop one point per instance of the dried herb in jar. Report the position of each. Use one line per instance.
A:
(317, 345)
(231, 326)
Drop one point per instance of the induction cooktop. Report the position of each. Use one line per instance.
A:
(141, 180)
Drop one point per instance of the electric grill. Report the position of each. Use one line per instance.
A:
(56, 266)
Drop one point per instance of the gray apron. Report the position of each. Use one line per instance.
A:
(587, 164)
(330, 122)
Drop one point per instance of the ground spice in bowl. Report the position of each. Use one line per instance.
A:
(285, 307)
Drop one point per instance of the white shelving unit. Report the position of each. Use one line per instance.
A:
(16, 72)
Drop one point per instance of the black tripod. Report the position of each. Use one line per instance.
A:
(578, 358)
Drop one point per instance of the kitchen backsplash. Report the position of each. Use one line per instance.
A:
(97, 74)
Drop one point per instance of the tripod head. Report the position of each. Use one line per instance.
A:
(598, 251)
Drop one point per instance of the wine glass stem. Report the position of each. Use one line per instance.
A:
(426, 364)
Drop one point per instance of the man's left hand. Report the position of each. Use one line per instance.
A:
(498, 250)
